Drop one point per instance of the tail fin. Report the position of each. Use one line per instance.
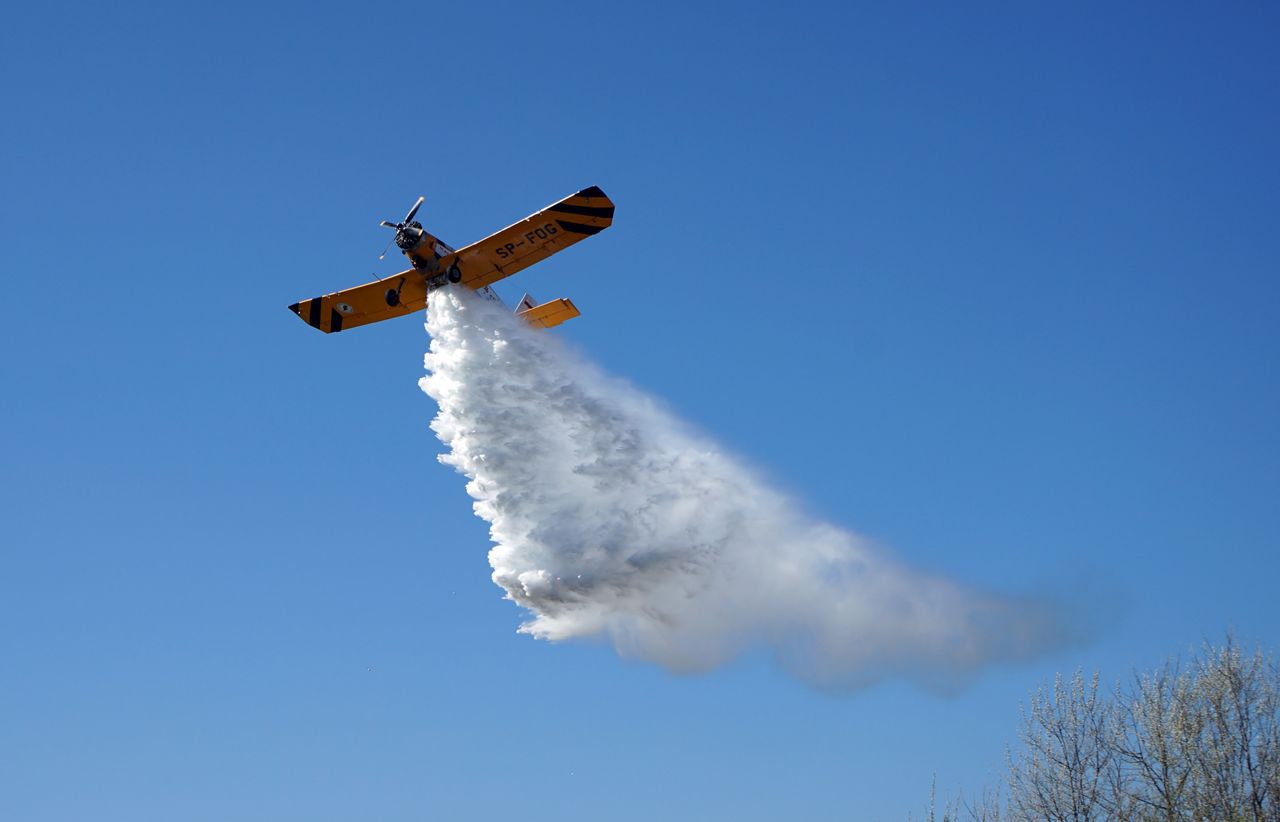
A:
(547, 315)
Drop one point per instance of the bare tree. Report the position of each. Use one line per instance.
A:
(1155, 738)
(1198, 743)
(1065, 771)
(1234, 763)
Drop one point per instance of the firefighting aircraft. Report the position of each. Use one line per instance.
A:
(476, 266)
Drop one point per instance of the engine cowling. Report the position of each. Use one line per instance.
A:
(407, 238)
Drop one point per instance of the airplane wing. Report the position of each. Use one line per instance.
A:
(535, 238)
(364, 304)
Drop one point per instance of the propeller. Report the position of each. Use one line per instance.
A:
(413, 210)
(408, 218)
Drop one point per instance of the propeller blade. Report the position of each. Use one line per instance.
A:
(388, 248)
(388, 224)
(414, 210)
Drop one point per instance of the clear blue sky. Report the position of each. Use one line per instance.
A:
(996, 288)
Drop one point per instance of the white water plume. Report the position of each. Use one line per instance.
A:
(612, 519)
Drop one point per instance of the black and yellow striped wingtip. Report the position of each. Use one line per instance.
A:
(313, 313)
(588, 212)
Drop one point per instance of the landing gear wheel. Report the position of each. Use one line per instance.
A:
(393, 297)
(454, 275)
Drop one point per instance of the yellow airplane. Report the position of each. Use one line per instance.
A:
(476, 266)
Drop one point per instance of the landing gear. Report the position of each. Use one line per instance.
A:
(454, 275)
(393, 294)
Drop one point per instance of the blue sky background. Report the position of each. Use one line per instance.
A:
(997, 288)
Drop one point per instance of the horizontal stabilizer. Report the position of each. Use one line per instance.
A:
(547, 315)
